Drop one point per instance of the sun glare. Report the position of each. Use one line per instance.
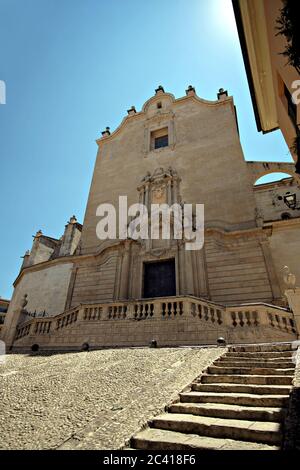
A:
(223, 13)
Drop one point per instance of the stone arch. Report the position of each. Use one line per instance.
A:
(259, 169)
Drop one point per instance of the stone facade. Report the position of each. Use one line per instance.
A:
(4, 304)
(200, 161)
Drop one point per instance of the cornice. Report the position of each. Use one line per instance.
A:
(127, 119)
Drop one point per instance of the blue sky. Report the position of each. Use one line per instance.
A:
(73, 67)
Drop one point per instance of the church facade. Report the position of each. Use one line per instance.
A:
(81, 292)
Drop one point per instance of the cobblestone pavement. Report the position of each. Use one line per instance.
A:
(90, 400)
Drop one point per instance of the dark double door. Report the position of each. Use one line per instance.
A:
(159, 279)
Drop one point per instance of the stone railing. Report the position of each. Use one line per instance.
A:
(228, 317)
(24, 329)
(66, 319)
(260, 315)
(153, 308)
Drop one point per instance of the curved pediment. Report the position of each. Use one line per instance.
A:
(160, 105)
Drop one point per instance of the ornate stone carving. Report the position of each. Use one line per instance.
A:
(162, 187)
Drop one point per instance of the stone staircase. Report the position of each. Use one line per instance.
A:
(239, 403)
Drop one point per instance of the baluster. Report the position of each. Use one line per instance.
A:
(219, 317)
(292, 323)
(233, 316)
(271, 319)
(255, 318)
(212, 315)
(151, 310)
(115, 311)
(135, 311)
(146, 310)
(205, 313)
(180, 308)
(109, 312)
(241, 318)
(285, 326)
(193, 309)
(175, 305)
(200, 311)
(277, 318)
(141, 310)
(124, 311)
(248, 318)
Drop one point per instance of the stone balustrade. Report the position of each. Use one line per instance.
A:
(24, 329)
(260, 315)
(192, 315)
(67, 318)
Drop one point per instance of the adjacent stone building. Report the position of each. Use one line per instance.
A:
(4, 304)
(80, 291)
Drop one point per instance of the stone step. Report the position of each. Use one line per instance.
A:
(157, 439)
(262, 348)
(261, 364)
(257, 359)
(221, 410)
(248, 379)
(250, 370)
(244, 399)
(242, 388)
(260, 355)
(252, 431)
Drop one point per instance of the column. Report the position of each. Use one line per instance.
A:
(125, 271)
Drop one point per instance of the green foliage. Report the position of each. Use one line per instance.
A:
(288, 26)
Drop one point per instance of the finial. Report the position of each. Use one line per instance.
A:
(38, 234)
(73, 220)
(159, 89)
(131, 111)
(288, 277)
(222, 94)
(24, 301)
(190, 90)
(106, 132)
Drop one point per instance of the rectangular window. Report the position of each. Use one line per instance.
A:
(291, 106)
(159, 139)
(161, 142)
